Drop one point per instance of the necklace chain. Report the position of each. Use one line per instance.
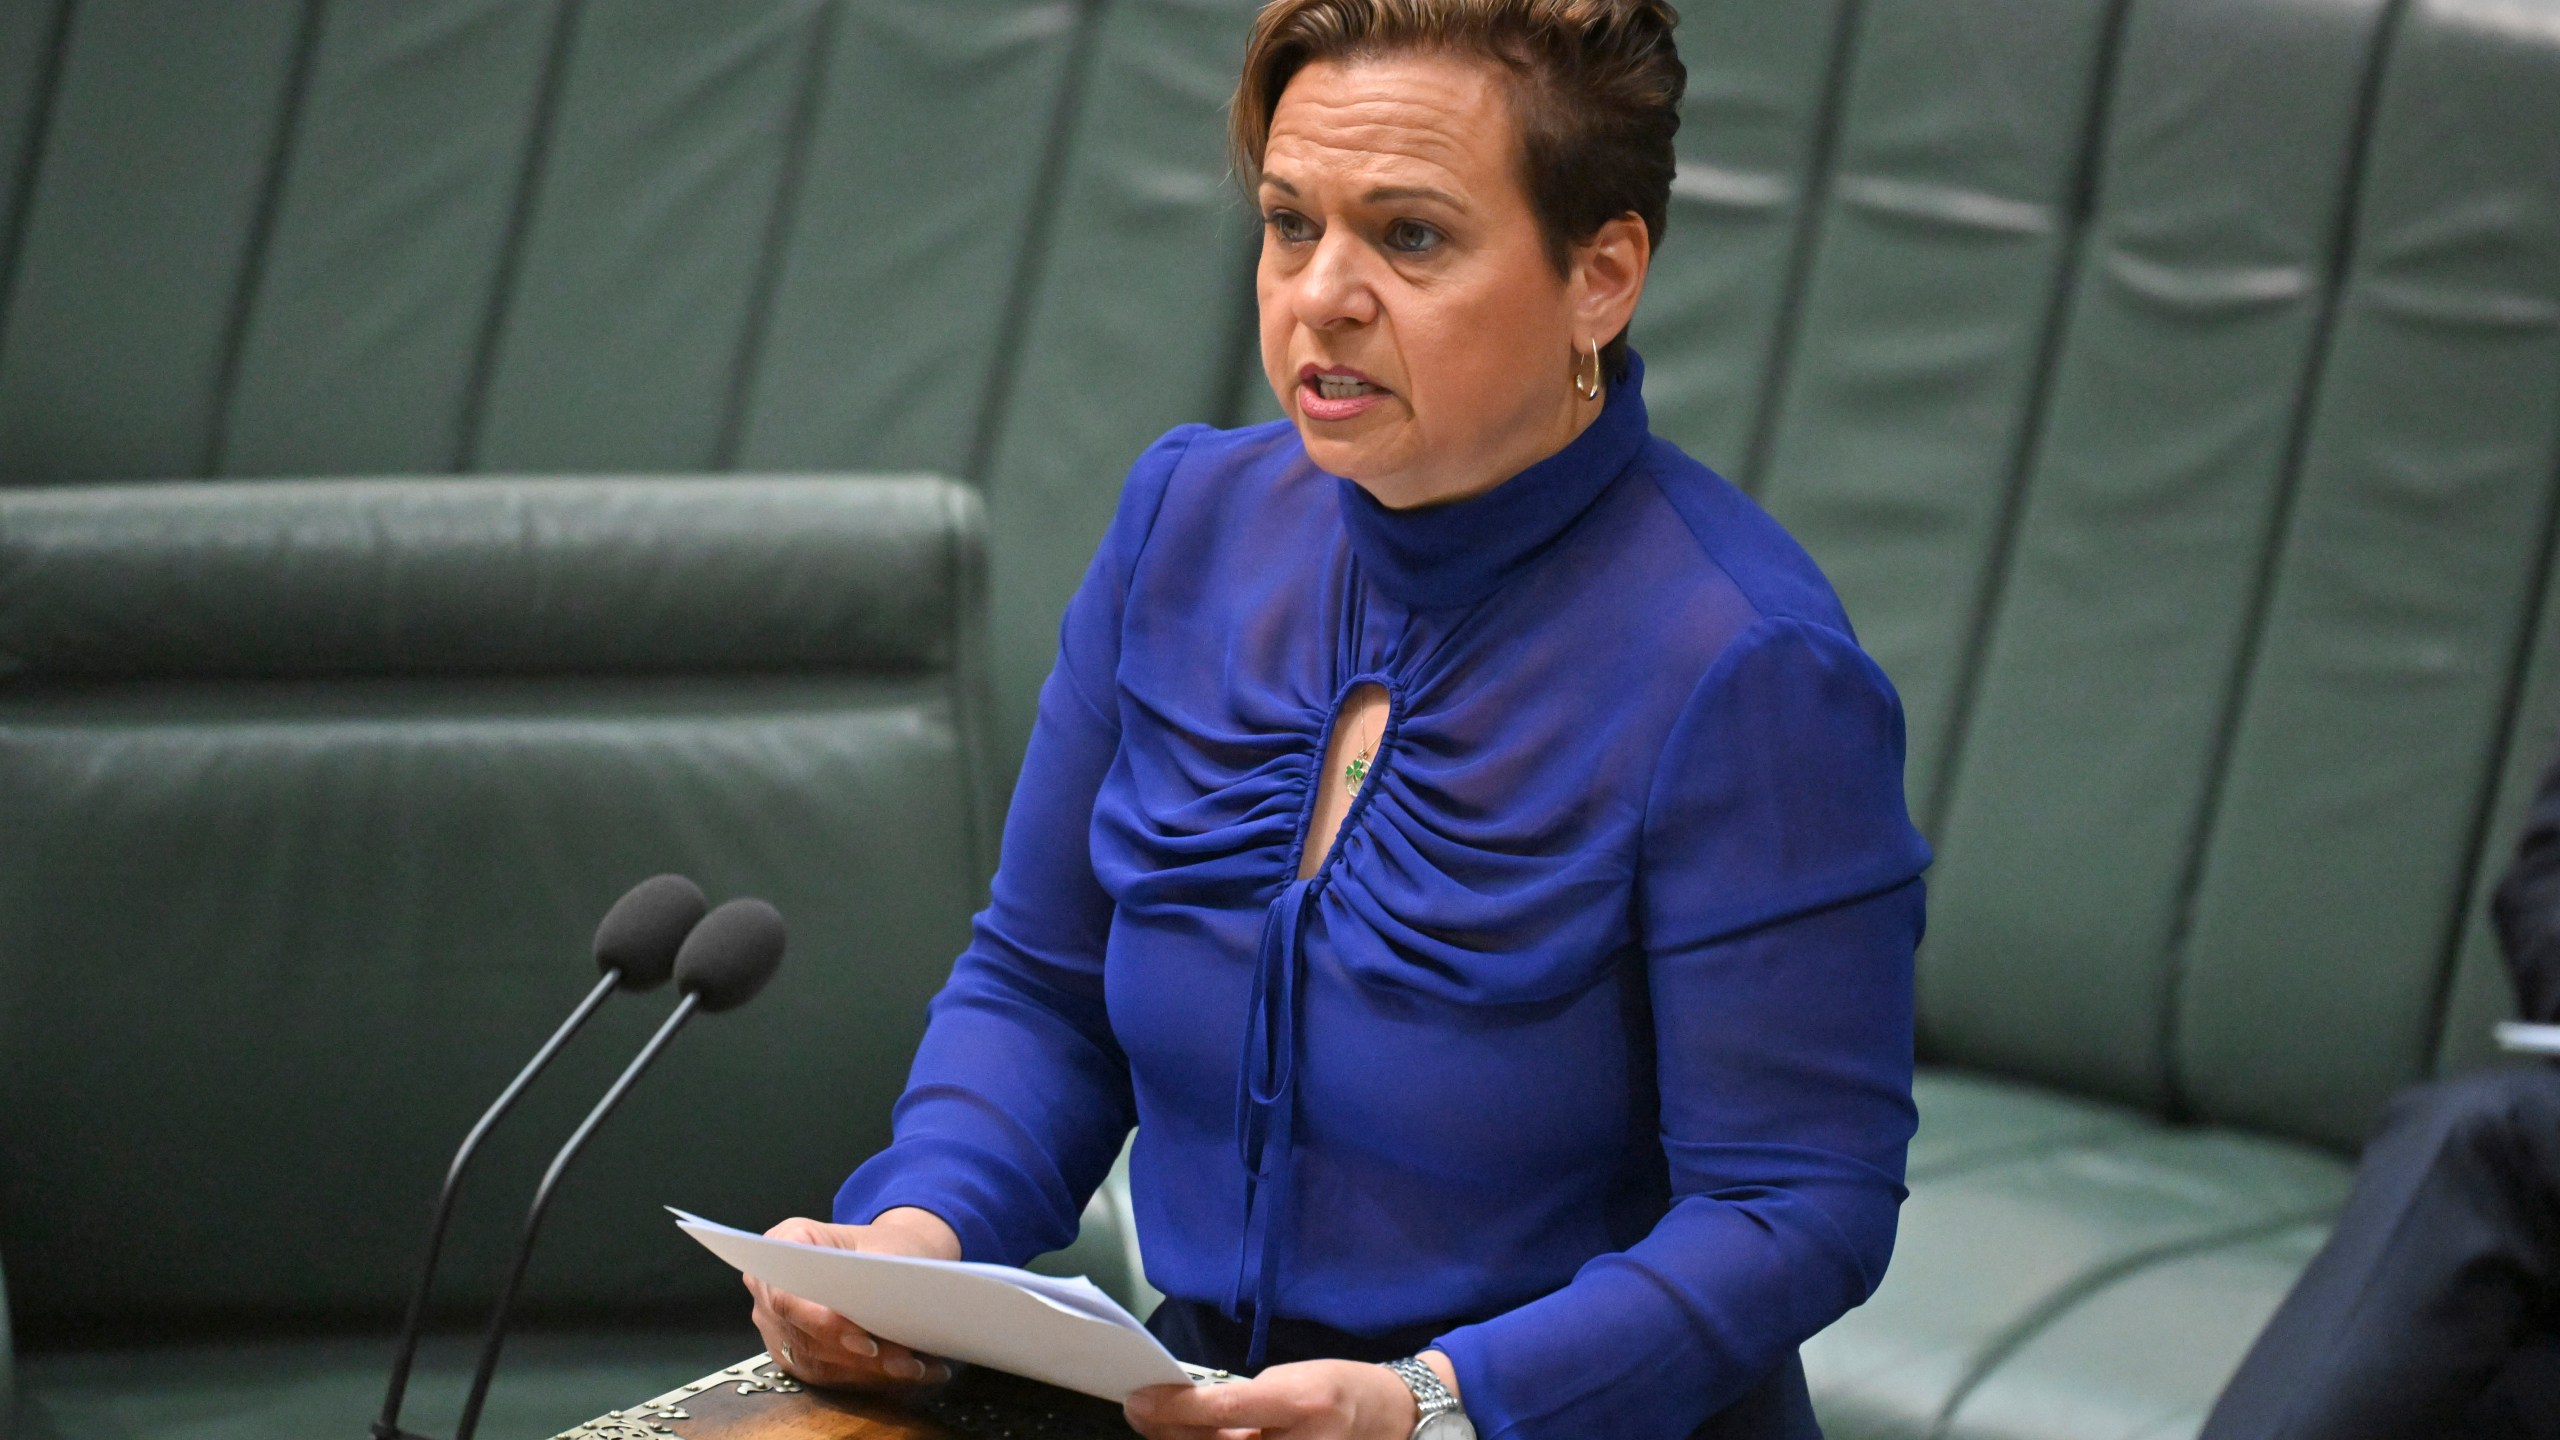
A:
(1357, 772)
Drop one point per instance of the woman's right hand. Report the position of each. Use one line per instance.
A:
(815, 1344)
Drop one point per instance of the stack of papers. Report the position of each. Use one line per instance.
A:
(1064, 1332)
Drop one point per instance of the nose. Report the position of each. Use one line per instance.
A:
(1332, 291)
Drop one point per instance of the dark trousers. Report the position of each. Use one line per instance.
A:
(2434, 1310)
(1777, 1409)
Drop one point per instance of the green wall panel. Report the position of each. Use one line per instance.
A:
(140, 225)
(1253, 403)
(2149, 507)
(1760, 82)
(1932, 286)
(369, 310)
(1139, 306)
(920, 198)
(2363, 751)
(29, 30)
(646, 245)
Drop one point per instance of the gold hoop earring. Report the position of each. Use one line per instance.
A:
(1592, 390)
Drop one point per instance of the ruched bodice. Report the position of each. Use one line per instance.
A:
(1618, 925)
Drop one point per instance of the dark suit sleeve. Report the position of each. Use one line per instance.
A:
(2527, 906)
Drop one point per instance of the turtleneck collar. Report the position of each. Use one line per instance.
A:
(1440, 556)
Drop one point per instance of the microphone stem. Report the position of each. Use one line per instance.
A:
(388, 1427)
(497, 1335)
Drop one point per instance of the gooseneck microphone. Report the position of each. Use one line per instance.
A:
(723, 963)
(636, 947)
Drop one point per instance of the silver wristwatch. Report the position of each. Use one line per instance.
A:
(1441, 1417)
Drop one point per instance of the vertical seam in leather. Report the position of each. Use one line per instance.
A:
(1993, 583)
(2341, 251)
(748, 364)
(252, 281)
(544, 116)
(39, 129)
(1812, 197)
(2485, 844)
(1032, 260)
(2069, 1295)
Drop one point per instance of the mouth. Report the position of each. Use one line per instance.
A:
(1336, 392)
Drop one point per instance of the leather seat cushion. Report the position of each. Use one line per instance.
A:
(2059, 1252)
(2141, 1357)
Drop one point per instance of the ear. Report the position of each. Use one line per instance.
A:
(1607, 276)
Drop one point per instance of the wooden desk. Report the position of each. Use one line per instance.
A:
(754, 1400)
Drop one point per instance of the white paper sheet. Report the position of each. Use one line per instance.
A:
(2528, 1039)
(1065, 1332)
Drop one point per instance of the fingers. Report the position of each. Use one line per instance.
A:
(815, 1344)
(1209, 1412)
(823, 1348)
(806, 1231)
(818, 1331)
(832, 1350)
(1311, 1400)
(825, 1331)
(1152, 1413)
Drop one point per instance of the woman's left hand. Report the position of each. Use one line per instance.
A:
(1314, 1400)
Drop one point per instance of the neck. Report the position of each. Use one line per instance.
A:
(1458, 546)
(1561, 429)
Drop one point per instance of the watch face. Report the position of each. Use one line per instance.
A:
(1447, 1425)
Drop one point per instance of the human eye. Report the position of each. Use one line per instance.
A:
(1288, 226)
(1412, 237)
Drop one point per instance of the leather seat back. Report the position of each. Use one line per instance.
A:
(2080, 749)
(2173, 391)
(316, 791)
(2398, 627)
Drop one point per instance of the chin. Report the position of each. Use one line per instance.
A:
(1352, 461)
(1360, 458)
(1385, 484)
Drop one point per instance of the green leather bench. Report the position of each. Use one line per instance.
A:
(2172, 387)
(317, 790)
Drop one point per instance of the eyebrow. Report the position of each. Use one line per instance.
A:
(1382, 194)
(1412, 192)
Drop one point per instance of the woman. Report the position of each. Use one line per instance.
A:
(1460, 832)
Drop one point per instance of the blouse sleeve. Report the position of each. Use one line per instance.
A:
(1781, 903)
(1019, 1097)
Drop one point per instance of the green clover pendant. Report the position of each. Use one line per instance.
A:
(1355, 772)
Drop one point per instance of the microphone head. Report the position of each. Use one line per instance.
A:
(641, 933)
(731, 954)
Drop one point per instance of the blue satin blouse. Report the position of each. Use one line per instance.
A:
(1592, 1035)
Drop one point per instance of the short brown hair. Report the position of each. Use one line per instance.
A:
(1596, 95)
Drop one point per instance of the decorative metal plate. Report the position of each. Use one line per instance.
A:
(757, 1375)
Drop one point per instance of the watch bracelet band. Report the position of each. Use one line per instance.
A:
(1428, 1392)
